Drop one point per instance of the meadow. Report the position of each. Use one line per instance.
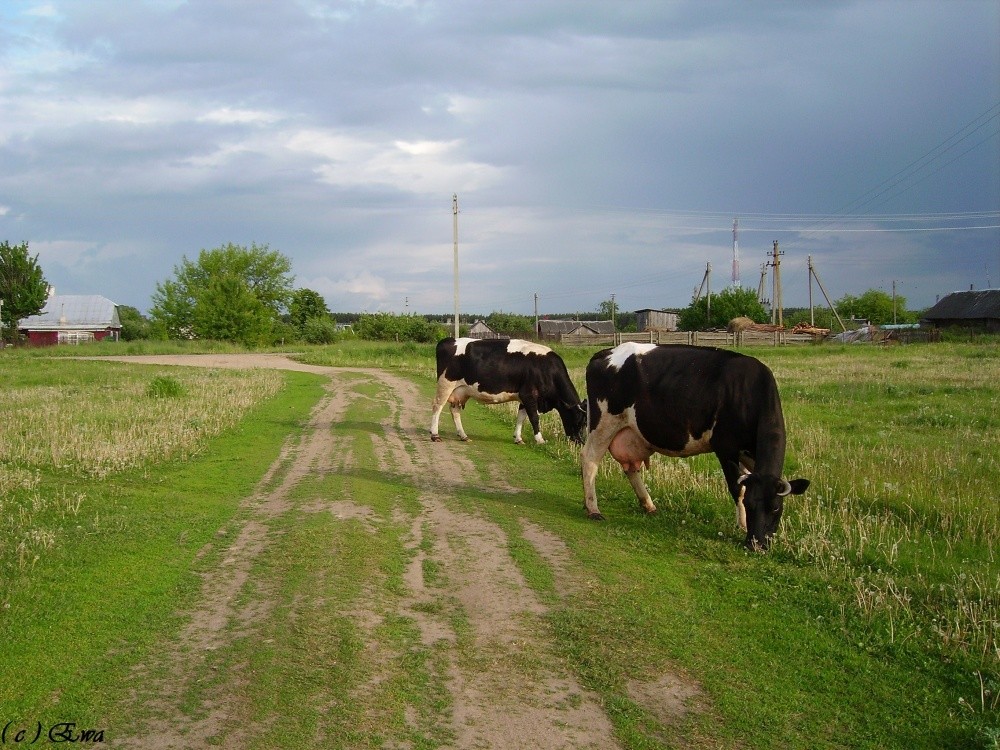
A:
(884, 579)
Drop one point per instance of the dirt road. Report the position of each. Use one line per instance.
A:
(494, 699)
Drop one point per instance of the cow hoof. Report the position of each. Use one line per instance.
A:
(518, 441)
(465, 439)
(595, 516)
(436, 438)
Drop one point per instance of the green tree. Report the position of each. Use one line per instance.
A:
(226, 309)
(135, 325)
(23, 287)
(733, 302)
(305, 305)
(876, 306)
(219, 285)
(509, 324)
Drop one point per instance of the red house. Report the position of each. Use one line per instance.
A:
(72, 319)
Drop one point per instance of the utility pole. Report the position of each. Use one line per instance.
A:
(761, 283)
(812, 319)
(736, 253)
(706, 282)
(776, 312)
(454, 211)
(826, 296)
(536, 315)
(893, 301)
(708, 294)
(614, 327)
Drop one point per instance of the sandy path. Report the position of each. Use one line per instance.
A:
(493, 704)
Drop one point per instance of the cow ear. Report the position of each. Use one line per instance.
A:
(799, 486)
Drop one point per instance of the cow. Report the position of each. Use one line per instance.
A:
(680, 400)
(494, 371)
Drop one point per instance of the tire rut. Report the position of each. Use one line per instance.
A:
(507, 687)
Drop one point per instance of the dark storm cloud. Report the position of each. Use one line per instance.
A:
(596, 148)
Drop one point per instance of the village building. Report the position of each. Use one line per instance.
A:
(72, 319)
(978, 310)
(655, 320)
(555, 329)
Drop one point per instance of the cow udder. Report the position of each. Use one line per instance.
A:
(630, 450)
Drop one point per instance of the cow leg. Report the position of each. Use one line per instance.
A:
(521, 416)
(444, 390)
(456, 415)
(530, 407)
(645, 500)
(590, 459)
(734, 468)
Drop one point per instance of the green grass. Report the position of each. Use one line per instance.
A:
(121, 555)
(872, 623)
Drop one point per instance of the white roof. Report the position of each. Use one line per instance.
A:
(69, 311)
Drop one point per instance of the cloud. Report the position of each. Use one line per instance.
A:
(594, 147)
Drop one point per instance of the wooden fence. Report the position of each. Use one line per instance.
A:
(698, 338)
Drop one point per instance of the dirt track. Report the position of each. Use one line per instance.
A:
(497, 706)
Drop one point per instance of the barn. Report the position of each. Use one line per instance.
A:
(556, 329)
(481, 330)
(655, 320)
(72, 319)
(979, 310)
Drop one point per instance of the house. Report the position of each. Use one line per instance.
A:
(979, 310)
(72, 319)
(556, 329)
(655, 320)
(480, 330)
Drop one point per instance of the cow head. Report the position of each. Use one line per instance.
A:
(759, 505)
(574, 419)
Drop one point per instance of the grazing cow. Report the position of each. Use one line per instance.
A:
(681, 401)
(494, 371)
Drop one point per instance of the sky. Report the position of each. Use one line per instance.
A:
(598, 150)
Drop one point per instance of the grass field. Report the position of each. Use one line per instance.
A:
(873, 622)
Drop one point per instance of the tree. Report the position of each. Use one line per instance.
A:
(875, 306)
(305, 305)
(231, 293)
(135, 326)
(733, 302)
(23, 287)
(510, 324)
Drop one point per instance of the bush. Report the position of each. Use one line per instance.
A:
(319, 330)
(388, 327)
(165, 387)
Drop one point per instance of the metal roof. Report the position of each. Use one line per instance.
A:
(981, 305)
(67, 311)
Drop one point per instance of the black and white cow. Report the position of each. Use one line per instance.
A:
(494, 371)
(681, 401)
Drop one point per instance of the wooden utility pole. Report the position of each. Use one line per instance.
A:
(706, 282)
(776, 312)
(454, 211)
(893, 301)
(537, 332)
(812, 319)
(826, 296)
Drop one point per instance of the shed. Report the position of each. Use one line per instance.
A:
(480, 330)
(655, 320)
(72, 319)
(969, 309)
(556, 329)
